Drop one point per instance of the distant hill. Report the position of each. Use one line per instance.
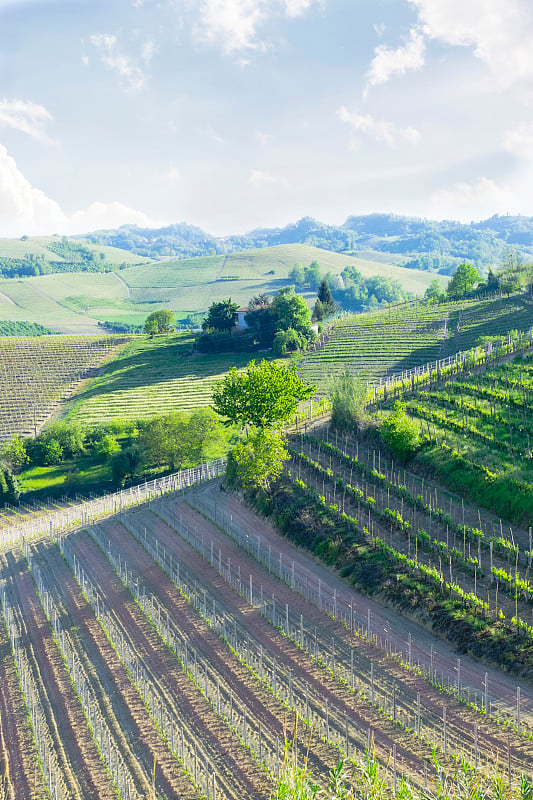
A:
(410, 241)
(79, 300)
(43, 255)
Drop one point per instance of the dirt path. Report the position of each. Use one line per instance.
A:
(134, 732)
(248, 690)
(460, 721)
(239, 776)
(386, 623)
(83, 771)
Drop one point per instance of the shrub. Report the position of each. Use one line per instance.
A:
(401, 433)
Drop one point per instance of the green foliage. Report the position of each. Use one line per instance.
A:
(306, 277)
(15, 328)
(263, 395)
(48, 452)
(177, 440)
(258, 460)
(463, 279)
(107, 447)
(435, 292)
(289, 340)
(125, 465)
(325, 298)
(159, 321)
(14, 453)
(10, 489)
(348, 395)
(400, 433)
(289, 310)
(221, 316)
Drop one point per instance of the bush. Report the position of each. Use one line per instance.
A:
(288, 340)
(107, 447)
(400, 433)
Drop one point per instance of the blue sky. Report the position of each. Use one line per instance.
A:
(235, 114)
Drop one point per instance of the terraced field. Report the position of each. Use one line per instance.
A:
(71, 301)
(180, 656)
(153, 376)
(382, 343)
(38, 374)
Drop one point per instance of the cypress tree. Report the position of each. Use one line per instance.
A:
(324, 295)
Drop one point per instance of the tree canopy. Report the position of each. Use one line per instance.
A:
(159, 321)
(258, 460)
(464, 278)
(264, 395)
(221, 316)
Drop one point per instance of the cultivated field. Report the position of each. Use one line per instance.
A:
(410, 335)
(163, 657)
(39, 374)
(153, 376)
(72, 301)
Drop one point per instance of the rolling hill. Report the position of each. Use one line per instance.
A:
(77, 301)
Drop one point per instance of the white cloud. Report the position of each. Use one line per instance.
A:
(477, 199)
(148, 51)
(25, 116)
(519, 140)
(234, 24)
(130, 74)
(26, 209)
(387, 62)
(379, 28)
(382, 130)
(258, 178)
(500, 31)
(262, 138)
(295, 8)
(214, 135)
(105, 215)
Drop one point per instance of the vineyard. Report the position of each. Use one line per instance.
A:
(41, 373)
(153, 376)
(410, 335)
(172, 644)
(478, 431)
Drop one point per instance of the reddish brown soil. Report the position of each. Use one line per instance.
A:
(21, 776)
(135, 734)
(84, 773)
(460, 720)
(239, 775)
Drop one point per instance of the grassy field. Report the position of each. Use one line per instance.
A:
(152, 376)
(38, 245)
(73, 302)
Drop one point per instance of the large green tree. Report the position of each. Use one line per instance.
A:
(221, 316)
(159, 321)
(289, 310)
(264, 395)
(464, 278)
(258, 460)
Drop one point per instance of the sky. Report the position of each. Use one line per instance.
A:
(238, 114)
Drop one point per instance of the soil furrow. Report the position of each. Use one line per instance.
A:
(20, 772)
(135, 734)
(83, 770)
(238, 772)
(271, 712)
(341, 702)
(459, 718)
